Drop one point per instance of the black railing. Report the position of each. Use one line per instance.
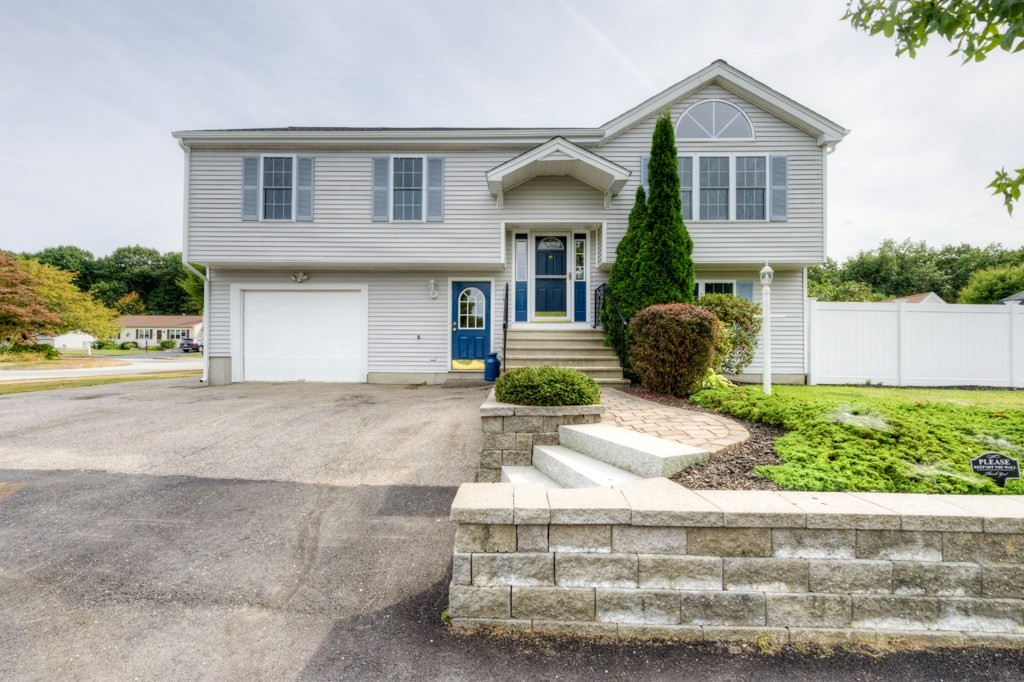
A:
(616, 326)
(504, 329)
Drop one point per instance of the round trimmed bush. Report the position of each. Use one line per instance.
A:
(546, 387)
(128, 345)
(672, 346)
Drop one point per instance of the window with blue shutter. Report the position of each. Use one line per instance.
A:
(381, 191)
(304, 189)
(435, 189)
(779, 171)
(251, 188)
(644, 160)
(745, 289)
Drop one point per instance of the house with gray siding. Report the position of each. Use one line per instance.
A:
(395, 254)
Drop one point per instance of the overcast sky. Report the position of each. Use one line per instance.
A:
(89, 93)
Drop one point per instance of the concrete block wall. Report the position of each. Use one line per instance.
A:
(653, 559)
(511, 431)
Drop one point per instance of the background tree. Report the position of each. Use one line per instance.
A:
(70, 258)
(23, 312)
(127, 269)
(664, 272)
(993, 285)
(130, 304)
(622, 281)
(78, 311)
(194, 285)
(974, 27)
(167, 296)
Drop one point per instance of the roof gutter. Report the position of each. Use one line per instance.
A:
(189, 266)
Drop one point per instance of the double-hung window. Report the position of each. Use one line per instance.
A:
(750, 188)
(407, 195)
(714, 187)
(277, 187)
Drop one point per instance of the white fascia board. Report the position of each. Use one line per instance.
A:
(742, 85)
(355, 138)
(341, 265)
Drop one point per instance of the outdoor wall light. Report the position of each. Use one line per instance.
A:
(433, 288)
(300, 277)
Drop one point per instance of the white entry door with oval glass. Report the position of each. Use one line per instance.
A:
(471, 324)
(551, 276)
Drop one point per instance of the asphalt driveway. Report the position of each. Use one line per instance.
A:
(164, 530)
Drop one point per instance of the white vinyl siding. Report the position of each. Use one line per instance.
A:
(800, 239)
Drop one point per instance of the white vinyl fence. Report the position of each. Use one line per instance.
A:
(903, 344)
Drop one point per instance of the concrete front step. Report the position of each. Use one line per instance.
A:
(564, 353)
(572, 469)
(613, 382)
(605, 372)
(527, 475)
(558, 335)
(560, 360)
(644, 455)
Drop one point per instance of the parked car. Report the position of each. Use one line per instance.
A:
(187, 345)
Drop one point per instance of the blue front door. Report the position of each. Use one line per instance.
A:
(550, 276)
(471, 324)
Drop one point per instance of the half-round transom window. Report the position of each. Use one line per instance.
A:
(472, 311)
(714, 120)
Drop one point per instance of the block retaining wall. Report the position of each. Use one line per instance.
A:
(511, 431)
(653, 559)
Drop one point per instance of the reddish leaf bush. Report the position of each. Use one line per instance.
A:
(672, 346)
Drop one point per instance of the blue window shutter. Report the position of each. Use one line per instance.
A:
(250, 188)
(780, 182)
(745, 290)
(435, 189)
(644, 160)
(304, 189)
(381, 169)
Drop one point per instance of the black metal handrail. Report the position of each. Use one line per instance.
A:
(504, 329)
(608, 313)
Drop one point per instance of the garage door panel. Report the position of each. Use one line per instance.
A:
(304, 336)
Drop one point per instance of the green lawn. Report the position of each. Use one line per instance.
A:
(78, 382)
(884, 439)
(108, 351)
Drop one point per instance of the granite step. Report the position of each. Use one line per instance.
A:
(527, 475)
(642, 454)
(571, 469)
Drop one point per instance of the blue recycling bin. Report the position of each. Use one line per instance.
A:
(492, 367)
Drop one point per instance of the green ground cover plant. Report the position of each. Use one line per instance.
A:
(881, 439)
(546, 386)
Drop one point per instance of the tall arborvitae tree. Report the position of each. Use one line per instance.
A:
(664, 272)
(622, 280)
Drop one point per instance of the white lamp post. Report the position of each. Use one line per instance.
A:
(766, 326)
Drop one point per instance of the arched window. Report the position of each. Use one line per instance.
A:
(472, 312)
(714, 120)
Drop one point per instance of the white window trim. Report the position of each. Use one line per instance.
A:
(695, 189)
(702, 284)
(716, 139)
(295, 179)
(391, 188)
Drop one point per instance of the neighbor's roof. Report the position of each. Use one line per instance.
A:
(159, 320)
(916, 298)
(718, 72)
(1019, 296)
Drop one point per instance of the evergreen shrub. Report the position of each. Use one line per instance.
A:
(546, 386)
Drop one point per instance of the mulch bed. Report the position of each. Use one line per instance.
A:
(730, 470)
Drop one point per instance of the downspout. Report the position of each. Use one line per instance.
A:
(191, 268)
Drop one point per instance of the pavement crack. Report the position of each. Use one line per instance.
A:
(308, 545)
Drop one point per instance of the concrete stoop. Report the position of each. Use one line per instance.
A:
(581, 349)
(602, 455)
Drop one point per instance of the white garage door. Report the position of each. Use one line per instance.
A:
(304, 336)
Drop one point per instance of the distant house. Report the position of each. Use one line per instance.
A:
(151, 329)
(69, 341)
(926, 297)
(1015, 298)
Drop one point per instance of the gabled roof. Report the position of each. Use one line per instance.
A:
(1019, 296)
(159, 320)
(924, 297)
(735, 81)
(558, 156)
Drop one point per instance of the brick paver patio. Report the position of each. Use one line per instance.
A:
(710, 432)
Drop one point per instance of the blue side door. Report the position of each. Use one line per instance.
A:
(550, 275)
(471, 324)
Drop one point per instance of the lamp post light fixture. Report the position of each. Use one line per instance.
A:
(766, 327)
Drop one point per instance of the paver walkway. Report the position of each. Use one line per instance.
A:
(710, 432)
